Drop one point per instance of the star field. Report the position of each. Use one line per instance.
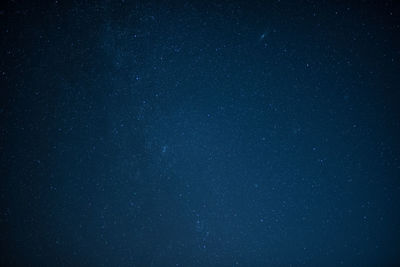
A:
(254, 133)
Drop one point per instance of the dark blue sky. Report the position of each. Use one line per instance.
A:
(254, 133)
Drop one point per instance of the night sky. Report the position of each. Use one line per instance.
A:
(200, 134)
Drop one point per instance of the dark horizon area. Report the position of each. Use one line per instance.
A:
(252, 133)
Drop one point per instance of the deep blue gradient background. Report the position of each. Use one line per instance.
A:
(186, 134)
